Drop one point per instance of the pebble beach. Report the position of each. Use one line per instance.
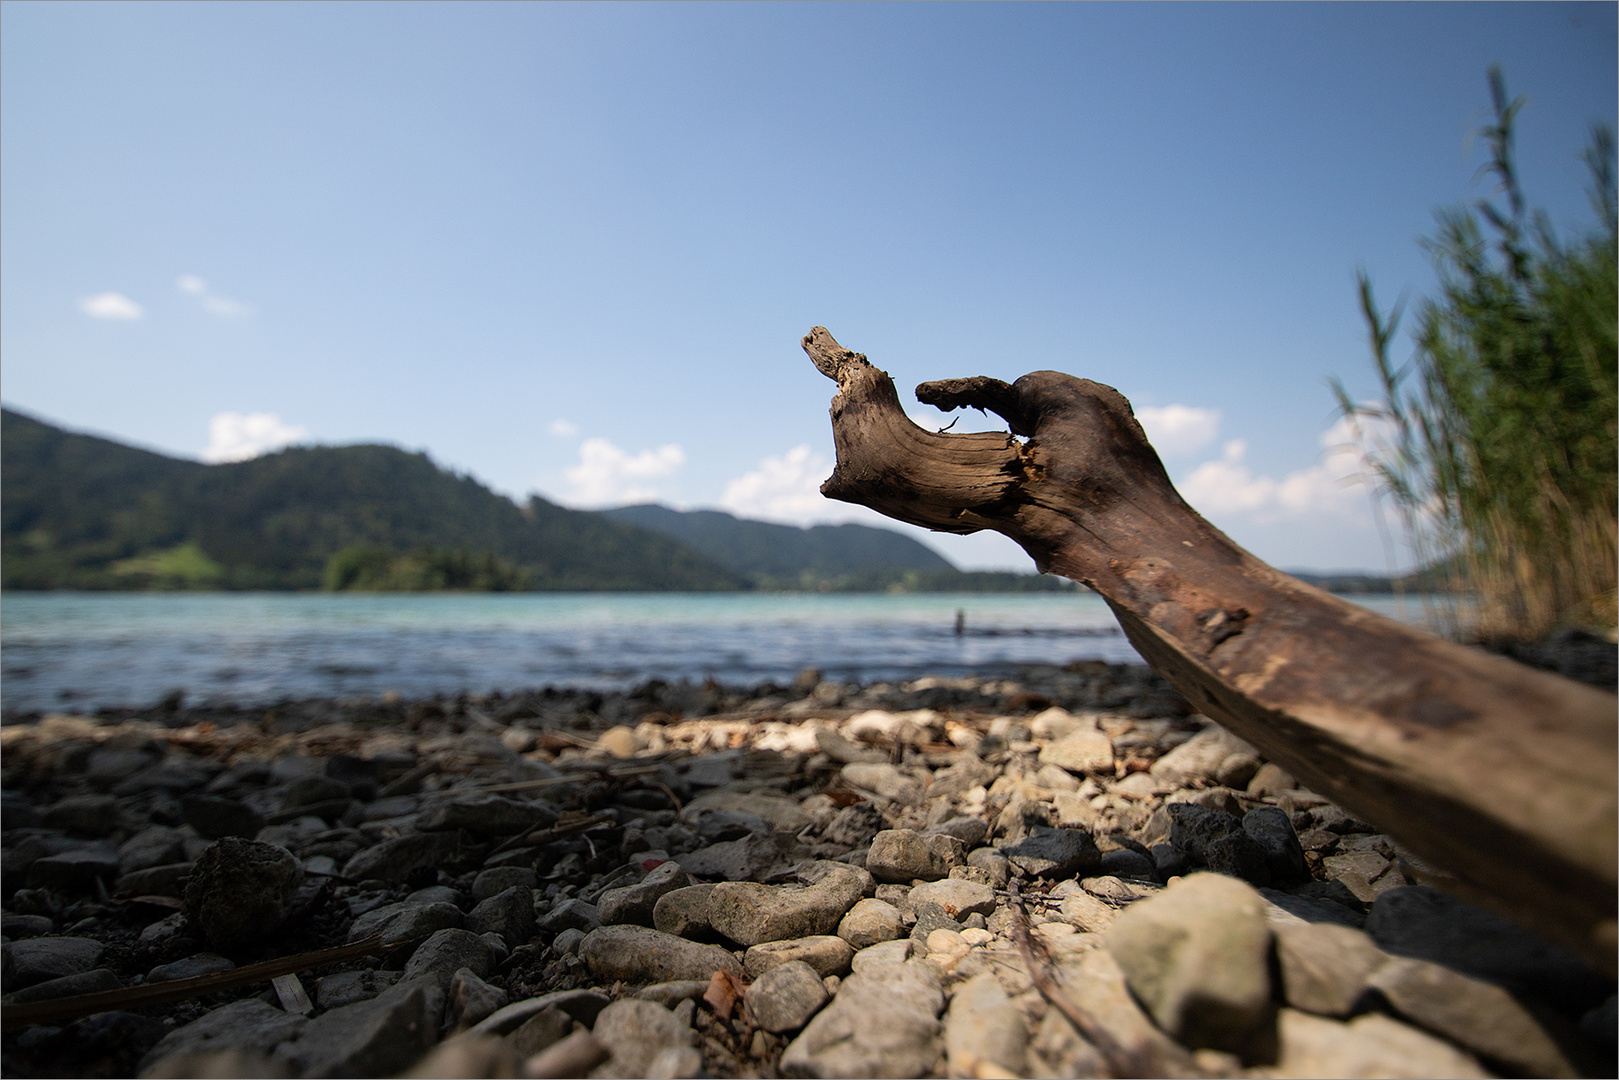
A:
(1060, 872)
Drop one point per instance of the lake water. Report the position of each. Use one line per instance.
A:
(83, 650)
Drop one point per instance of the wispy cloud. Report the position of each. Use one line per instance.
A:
(110, 305)
(1334, 485)
(234, 436)
(563, 429)
(211, 302)
(1176, 430)
(786, 489)
(609, 476)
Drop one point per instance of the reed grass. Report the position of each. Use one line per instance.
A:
(1496, 441)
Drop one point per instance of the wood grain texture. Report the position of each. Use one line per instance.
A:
(1503, 776)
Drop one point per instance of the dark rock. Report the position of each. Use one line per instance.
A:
(1124, 863)
(38, 960)
(1237, 855)
(74, 870)
(158, 845)
(1170, 861)
(397, 859)
(241, 890)
(500, 878)
(635, 903)
(371, 1038)
(746, 859)
(931, 917)
(570, 914)
(84, 815)
(215, 817)
(854, 826)
(348, 987)
(472, 999)
(446, 952)
(638, 954)
(190, 967)
(167, 880)
(509, 914)
(407, 920)
(360, 774)
(249, 1024)
(85, 982)
(25, 926)
(485, 815)
(1193, 828)
(1425, 924)
(1270, 828)
(1315, 911)
(1053, 853)
(313, 791)
(971, 831)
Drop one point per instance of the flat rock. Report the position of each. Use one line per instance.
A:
(885, 780)
(569, 914)
(157, 845)
(869, 922)
(1199, 757)
(485, 815)
(783, 814)
(749, 913)
(1425, 924)
(1053, 853)
(74, 870)
(1080, 752)
(828, 955)
(406, 920)
(1197, 956)
(371, 1038)
(959, 897)
(635, 903)
(744, 859)
(41, 959)
(888, 952)
(1368, 1046)
(903, 855)
(785, 997)
(983, 1027)
(396, 859)
(1324, 966)
(241, 890)
(247, 1025)
(639, 955)
(348, 987)
(1085, 911)
(83, 815)
(448, 951)
(1477, 1015)
(883, 1022)
(637, 1032)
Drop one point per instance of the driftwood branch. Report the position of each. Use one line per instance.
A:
(1501, 775)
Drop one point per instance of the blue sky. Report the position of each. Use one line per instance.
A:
(571, 248)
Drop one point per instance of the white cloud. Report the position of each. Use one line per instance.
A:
(234, 436)
(214, 304)
(607, 476)
(1332, 486)
(563, 429)
(1179, 429)
(110, 305)
(784, 489)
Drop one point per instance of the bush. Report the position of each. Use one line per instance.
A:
(1498, 437)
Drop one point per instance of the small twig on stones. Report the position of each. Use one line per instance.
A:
(1121, 1062)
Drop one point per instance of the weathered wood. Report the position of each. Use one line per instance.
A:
(1503, 776)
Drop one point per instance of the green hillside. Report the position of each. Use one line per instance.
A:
(84, 512)
(844, 558)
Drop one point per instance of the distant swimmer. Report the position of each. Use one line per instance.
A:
(961, 621)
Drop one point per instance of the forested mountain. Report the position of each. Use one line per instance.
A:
(823, 557)
(85, 512)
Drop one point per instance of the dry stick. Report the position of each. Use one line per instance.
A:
(545, 836)
(71, 1008)
(1120, 1061)
(568, 778)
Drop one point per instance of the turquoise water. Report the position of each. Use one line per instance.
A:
(84, 650)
